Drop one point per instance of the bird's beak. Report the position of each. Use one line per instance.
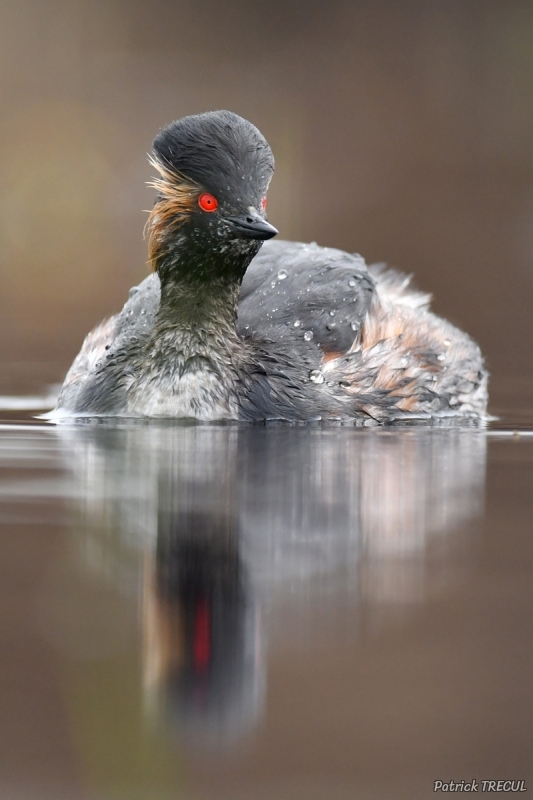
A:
(251, 226)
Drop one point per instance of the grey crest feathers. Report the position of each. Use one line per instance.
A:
(220, 151)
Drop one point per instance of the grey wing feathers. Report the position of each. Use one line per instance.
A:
(93, 350)
(105, 349)
(139, 311)
(396, 286)
(305, 294)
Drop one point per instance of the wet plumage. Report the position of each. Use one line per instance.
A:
(226, 330)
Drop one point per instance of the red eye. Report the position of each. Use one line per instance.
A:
(264, 203)
(208, 202)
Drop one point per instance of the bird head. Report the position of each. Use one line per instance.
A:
(213, 175)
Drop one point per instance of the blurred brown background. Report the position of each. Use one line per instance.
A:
(402, 131)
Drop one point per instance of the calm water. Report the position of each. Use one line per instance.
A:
(206, 612)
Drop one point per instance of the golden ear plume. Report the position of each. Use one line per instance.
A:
(177, 197)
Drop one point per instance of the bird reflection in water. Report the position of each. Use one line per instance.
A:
(231, 520)
(202, 667)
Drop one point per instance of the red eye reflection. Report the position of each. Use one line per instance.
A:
(264, 203)
(208, 202)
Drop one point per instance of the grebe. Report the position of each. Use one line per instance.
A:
(225, 330)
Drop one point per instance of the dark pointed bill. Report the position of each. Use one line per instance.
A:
(252, 226)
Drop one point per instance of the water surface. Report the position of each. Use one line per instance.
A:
(233, 612)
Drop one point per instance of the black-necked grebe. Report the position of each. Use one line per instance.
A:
(294, 332)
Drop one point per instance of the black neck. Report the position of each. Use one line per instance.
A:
(200, 282)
